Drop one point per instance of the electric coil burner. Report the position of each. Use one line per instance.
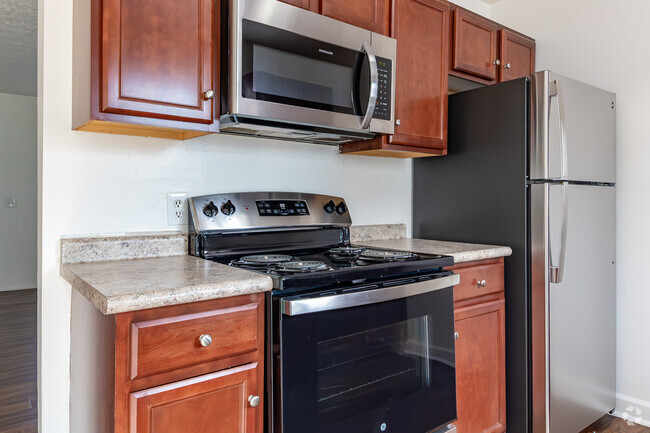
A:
(360, 340)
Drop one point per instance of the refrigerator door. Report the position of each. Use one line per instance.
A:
(574, 319)
(573, 132)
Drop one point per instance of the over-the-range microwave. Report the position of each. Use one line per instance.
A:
(291, 74)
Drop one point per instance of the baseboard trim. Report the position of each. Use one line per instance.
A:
(633, 409)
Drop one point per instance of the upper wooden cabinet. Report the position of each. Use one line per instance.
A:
(153, 68)
(517, 55)
(421, 28)
(475, 45)
(368, 14)
(486, 52)
(310, 5)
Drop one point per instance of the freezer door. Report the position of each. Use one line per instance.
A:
(573, 130)
(574, 307)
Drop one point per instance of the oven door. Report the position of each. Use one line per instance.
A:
(373, 366)
(299, 67)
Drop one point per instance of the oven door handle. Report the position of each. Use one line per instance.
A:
(296, 306)
(374, 85)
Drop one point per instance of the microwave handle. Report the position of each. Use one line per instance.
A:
(374, 85)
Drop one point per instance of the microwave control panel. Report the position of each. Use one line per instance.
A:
(385, 71)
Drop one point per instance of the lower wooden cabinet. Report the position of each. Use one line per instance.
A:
(191, 368)
(480, 347)
(204, 404)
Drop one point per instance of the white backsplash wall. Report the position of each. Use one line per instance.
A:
(600, 42)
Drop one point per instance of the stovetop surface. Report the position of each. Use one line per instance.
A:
(298, 271)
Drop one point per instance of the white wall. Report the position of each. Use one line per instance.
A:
(96, 183)
(18, 125)
(605, 43)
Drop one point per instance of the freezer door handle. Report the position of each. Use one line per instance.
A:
(555, 90)
(557, 272)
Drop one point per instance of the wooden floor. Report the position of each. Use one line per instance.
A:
(18, 388)
(611, 424)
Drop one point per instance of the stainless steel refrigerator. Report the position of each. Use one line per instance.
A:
(531, 164)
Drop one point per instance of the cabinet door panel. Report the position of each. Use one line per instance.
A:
(204, 404)
(480, 368)
(517, 56)
(158, 58)
(310, 5)
(421, 29)
(475, 45)
(368, 14)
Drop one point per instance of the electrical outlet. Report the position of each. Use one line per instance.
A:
(11, 202)
(177, 208)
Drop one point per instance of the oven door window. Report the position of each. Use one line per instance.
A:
(383, 367)
(283, 67)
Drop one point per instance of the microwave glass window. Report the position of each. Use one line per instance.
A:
(292, 76)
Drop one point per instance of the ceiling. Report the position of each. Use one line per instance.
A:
(18, 46)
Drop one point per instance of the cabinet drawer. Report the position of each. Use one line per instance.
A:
(478, 281)
(171, 343)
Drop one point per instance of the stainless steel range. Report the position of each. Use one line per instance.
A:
(358, 340)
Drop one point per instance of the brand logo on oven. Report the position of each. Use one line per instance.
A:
(320, 50)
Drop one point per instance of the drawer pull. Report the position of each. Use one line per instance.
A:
(205, 340)
(481, 283)
(254, 400)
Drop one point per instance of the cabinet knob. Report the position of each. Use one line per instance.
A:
(398, 122)
(456, 335)
(205, 340)
(254, 400)
(508, 66)
(209, 94)
(481, 283)
(497, 62)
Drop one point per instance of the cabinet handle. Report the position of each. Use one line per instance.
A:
(209, 94)
(507, 66)
(398, 122)
(254, 400)
(205, 340)
(497, 62)
(481, 283)
(456, 335)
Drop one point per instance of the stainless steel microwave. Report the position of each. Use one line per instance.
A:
(291, 74)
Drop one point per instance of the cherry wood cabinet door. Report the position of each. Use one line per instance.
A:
(203, 404)
(158, 59)
(475, 45)
(480, 368)
(517, 56)
(421, 28)
(368, 14)
(310, 5)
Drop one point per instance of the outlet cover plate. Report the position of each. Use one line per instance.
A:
(177, 208)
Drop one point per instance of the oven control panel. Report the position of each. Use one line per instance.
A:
(260, 210)
(282, 207)
(384, 92)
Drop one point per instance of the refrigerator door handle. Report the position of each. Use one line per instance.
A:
(557, 272)
(555, 90)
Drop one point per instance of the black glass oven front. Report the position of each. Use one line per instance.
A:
(386, 367)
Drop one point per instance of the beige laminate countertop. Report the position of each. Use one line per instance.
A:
(461, 252)
(130, 285)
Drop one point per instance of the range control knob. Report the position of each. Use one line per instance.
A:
(341, 208)
(210, 210)
(329, 207)
(228, 208)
